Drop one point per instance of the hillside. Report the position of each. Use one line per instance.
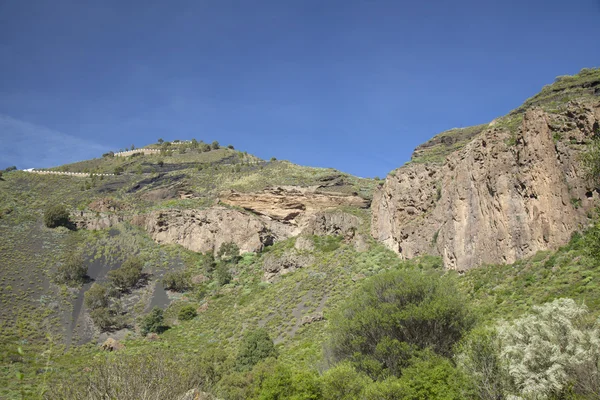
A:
(229, 245)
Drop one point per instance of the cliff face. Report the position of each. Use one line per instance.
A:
(503, 196)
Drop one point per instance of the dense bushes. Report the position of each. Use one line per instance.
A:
(178, 281)
(56, 215)
(393, 316)
(127, 275)
(551, 353)
(256, 346)
(187, 313)
(152, 322)
(72, 271)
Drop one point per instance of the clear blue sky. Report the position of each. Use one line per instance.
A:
(354, 85)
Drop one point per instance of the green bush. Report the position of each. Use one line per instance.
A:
(394, 315)
(222, 275)
(229, 252)
(343, 382)
(152, 322)
(187, 313)
(118, 170)
(127, 275)
(433, 377)
(214, 145)
(72, 271)
(56, 215)
(103, 318)
(256, 346)
(96, 297)
(177, 281)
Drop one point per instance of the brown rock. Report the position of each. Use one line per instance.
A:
(112, 345)
(290, 203)
(497, 199)
(309, 319)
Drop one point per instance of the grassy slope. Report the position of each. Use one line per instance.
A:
(552, 98)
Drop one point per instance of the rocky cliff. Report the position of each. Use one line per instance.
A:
(506, 194)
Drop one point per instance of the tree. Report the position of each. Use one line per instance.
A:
(229, 252)
(127, 275)
(187, 313)
(394, 315)
(72, 271)
(222, 274)
(160, 141)
(177, 281)
(256, 346)
(118, 170)
(96, 297)
(160, 163)
(214, 145)
(56, 215)
(230, 147)
(152, 322)
(343, 382)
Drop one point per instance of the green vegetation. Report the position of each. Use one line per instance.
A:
(256, 346)
(56, 215)
(72, 271)
(152, 322)
(440, 146)
(565, 88)
(127, 275)
(187, 313)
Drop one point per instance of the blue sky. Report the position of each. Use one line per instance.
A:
(353, 85)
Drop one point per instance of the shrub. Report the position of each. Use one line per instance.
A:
(102, 317)
(96, 297)
(160, 163)
(552, 351)
(479, 358)
(214, 145)
(230, 147)
(152, 322)
(118, 170)
(256, 346)
(274, 380)
(127, 275)
(72, 271)
(176, 281)
(343, 382)
(56, 215)
(187, 313)
(222, 275)
(433, 377)
(395, 314)
(229, 252)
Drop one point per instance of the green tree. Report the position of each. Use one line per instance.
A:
(177, 281)
(152, 322)
(229, 252)
(187, 313)
(96, 296)
(343, 382)
(72, 271)
(256, 346)
(56, 215)
(222, 274)
(433, 377)
(394, 315)
(214, 145)
(118, 170)
(102, 318)
(127, 275)
(160, 141)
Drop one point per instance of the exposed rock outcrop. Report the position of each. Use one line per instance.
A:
(206, 230)
(502, 197)
(96, 220)
(290, 203)
(275, 266)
